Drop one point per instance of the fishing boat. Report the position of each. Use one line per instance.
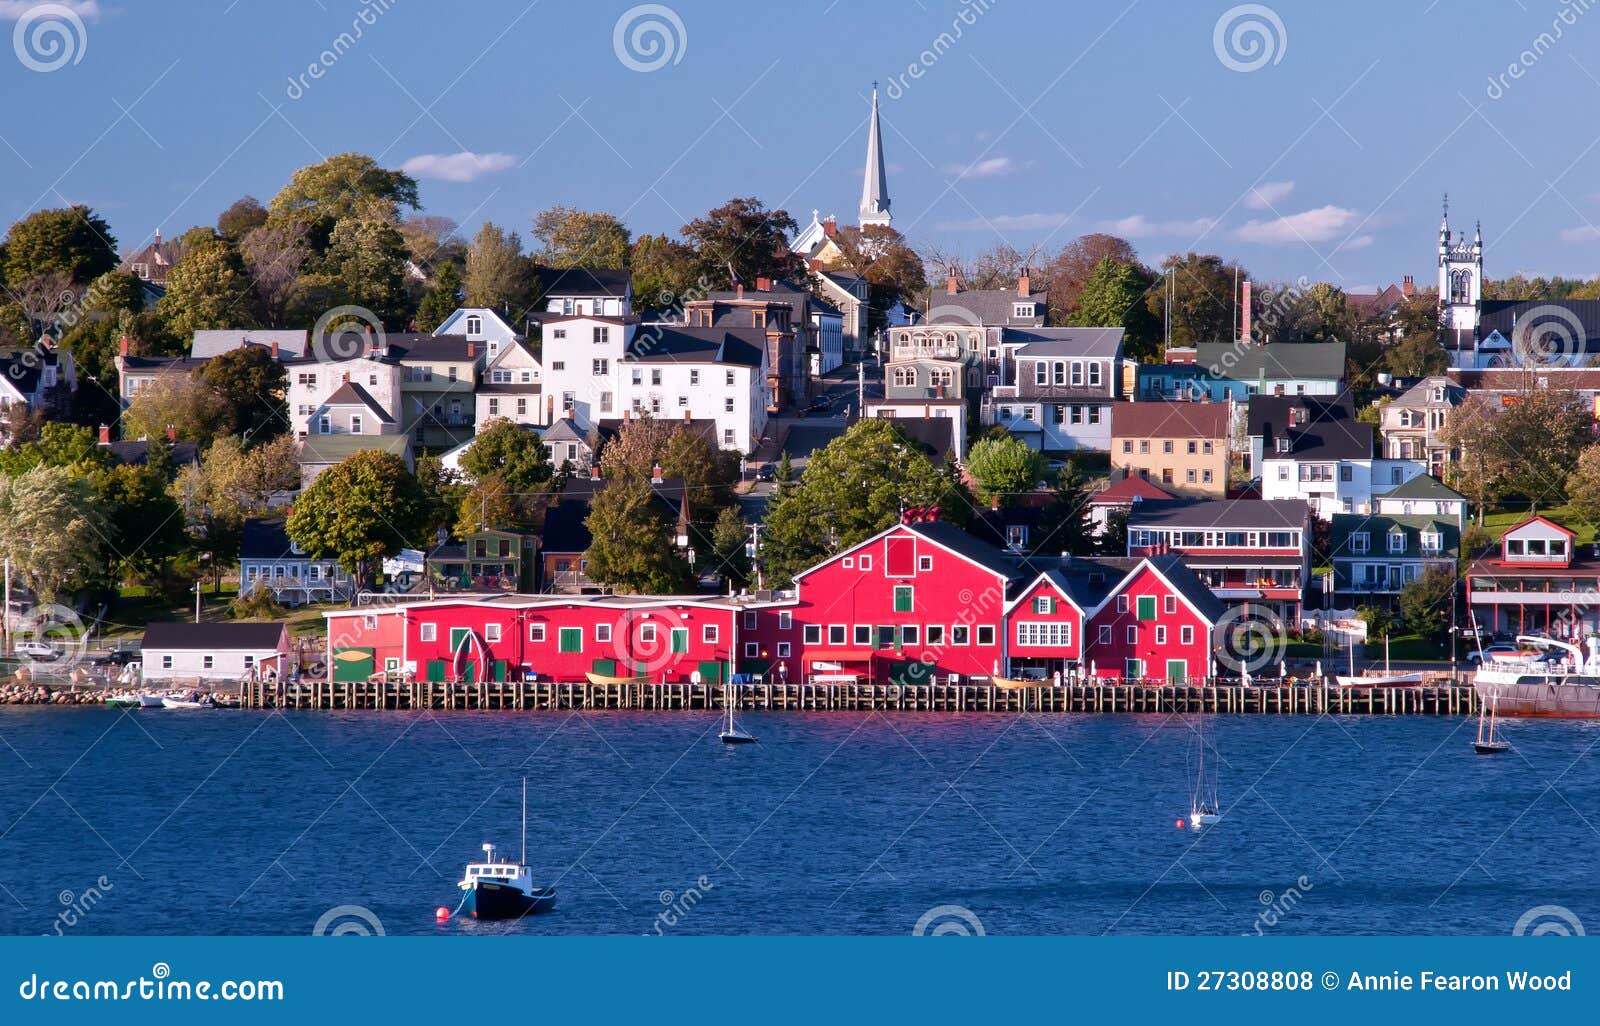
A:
(123, 701)
(1565, 689)
(192, 702)
(731, 734)
(602, 678)
(1012, 684)
(149, 701)
(1487, 743)
(498, 889)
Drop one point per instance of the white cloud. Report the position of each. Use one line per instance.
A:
(1002, 222)
(457, 167)
(11, 10)
(993, 167)
(1267, 194)
(1587, 233)
(1359, 242)
(1137, 226)
(1319, 225)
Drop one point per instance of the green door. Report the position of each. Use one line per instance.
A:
(605, 667)
(436, 670)
(1177, 670)
(500, 670)
(711, 672)
(458, 637)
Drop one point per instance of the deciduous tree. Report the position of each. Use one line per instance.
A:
(498, 275)
(53, 530)
(581, 238)
(1003, 467)
(368, 507)
(631, 547)
(742, 240)
(74, 240)
(209, 288)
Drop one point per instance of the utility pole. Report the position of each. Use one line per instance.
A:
(5, 618)
(755, 552)
(196, 601)
(861, 386)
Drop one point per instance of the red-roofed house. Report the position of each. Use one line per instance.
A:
(1181, 445)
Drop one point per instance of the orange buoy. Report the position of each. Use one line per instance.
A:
(1179, 824)
(441, 913)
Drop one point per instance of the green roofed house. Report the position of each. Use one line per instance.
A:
(1424, 496)
(1374, 557)
(319, 452)
(1228, 370)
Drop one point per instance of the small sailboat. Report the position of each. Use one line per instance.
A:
(732, 734)
(1487, 743)
(1203, 807)
(497, 889)
(1387, 679)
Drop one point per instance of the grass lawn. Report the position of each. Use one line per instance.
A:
(136, 607)
(1410, 647)
(1499, 521)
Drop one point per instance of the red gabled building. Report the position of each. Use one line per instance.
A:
(1158, 622)
(1538, 582)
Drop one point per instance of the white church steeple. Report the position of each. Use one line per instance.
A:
(875, 184)
(1460, 276)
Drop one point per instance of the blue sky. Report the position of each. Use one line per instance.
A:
(1040, 122)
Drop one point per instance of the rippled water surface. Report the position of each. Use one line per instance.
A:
(242, 822)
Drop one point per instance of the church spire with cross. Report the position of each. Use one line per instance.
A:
(875, 184)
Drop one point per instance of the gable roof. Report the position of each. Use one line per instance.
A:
(988, 307)
(463, 312)
(265, 538)
(352, 394)
(136, 453)
(1537, 519)
(1105, 343)
(1129, 489)
(317, 449)
(562, 431)
(974, 550)
(1057, 580)
(1379, 526)
(1183, 581)
(213, 636)
(1331, 431)
(1424, 487)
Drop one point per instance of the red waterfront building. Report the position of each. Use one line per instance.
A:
(915, 603)
(1540, 581)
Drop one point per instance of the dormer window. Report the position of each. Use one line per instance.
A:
(1432, 542)
(1397, 541)
(1359, 542)
(1022, 309)
(1438, 393)
(474, 325)
(1282, 443)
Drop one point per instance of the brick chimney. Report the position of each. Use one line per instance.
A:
(950, 285)
(472, 350)
(122, 346)
(815, 265)
(566, 414)
(594, 472)
(549, 408)
(274, 351)
(686, 417)
(1409, 287)
(627, 415)
(994, 502)
(655, 474)
(1246, 324)
(763, 284)
(830, 226)
(105, 434)
(738, 289)
(1022, 284)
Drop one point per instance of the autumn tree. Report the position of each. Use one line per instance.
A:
(342, 186)
(1204, 308)
(243, 216)
(208, 288)
(895, 273)
(183, 402)
(53, 530)
(498, 275)
(580, 238)
(274, 258)
(741, 241)
(665, 272)
(1070, 269)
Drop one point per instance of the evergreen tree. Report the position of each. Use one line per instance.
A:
(631, 541)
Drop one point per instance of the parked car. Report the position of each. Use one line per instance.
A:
(38, 650)
(767, 472)
(1500, 650)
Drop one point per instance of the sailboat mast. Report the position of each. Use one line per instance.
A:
(524, 861)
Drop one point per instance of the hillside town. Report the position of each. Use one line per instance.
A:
(330, 437)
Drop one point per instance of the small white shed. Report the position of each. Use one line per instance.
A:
(215, 651)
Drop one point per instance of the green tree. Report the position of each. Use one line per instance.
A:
(1070, 269)
(253, 385)
(1114, 536)
(851, 489)
(57, 445)
(344, 185)
(1538, 439)
(53, 530)
(631, 541)
(784, 473)
(498, 275)
(729, 537)
(231, 484)
(366, 266)
(208, 288)
(510, 452)
(442, 299)
(1004, 467)
(1064, 526)
(1420, 351)
(1583, 485)
(664, 272)
(368, 507)
(741, 241)
(1203, 304)
(1114, 297)
(74, 240)
(581, 238)
(1425, 603)
(145, 525)
(442, 491)
(489, 506)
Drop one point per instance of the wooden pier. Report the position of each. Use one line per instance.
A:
(1435, 699)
